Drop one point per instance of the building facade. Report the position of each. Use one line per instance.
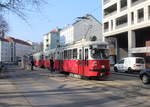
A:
(19, 48)
(86, 27)
(5, 50)
(127, 27)
(36, 46)
(67, 35)
(51, 39)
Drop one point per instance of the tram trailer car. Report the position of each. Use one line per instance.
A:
(38, 59)
(89, 59)
(47, 56)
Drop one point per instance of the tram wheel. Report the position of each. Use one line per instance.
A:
(115, 69)
(103, 78)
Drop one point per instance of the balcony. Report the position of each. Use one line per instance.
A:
(140, 20)
(121, 26)
(122, 21)
(140, 50)
(110, 10)
(106, 1)
(135, 2)
(106, 30)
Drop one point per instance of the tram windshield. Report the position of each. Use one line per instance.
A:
(99, 53)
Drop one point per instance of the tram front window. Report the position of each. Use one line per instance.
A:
(99, 53)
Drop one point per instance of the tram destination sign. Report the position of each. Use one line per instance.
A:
(99, 46)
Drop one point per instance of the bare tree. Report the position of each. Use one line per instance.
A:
(18, 6)
(3, 26)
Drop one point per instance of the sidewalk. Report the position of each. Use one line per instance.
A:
(44, 71)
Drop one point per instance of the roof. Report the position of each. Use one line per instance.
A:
(54, 30)
(57, 30)
(11, 39)
(87, 17)
(3, 39)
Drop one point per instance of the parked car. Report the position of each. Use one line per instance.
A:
(145, 76)
(130, 64)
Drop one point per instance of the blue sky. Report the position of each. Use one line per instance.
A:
(55, 13)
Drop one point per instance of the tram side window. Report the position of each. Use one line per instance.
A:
(86, 54)
(74, 53)
(62, 55)
(80, 54)
(41, 57)
(65, 54)
(69, 56)
(46, 57)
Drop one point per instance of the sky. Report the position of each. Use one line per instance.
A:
(53, 14)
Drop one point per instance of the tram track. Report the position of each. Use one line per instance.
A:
(126, 74)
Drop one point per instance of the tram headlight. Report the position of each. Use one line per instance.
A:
(103, 66)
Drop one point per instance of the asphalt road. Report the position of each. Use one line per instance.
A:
(40, 88)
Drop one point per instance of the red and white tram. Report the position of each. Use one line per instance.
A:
(89, 59)
(38, 59)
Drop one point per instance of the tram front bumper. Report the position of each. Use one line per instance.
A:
(101, 72)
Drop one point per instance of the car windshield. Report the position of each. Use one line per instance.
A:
(139, 60)
(99, 53)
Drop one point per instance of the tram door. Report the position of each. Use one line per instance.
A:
(81, 61)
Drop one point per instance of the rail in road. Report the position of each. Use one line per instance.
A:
(126, 74)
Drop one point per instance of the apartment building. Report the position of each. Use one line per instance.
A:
(5, 50)
(127, 27)
(67, 35)
(51, 39)
(36, 47)
(86, 27)
(19, 48)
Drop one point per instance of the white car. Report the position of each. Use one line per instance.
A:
(130, 64)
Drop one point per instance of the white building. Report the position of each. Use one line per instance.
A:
(51, 39)
(5, 50)
(127, 26)
(19, 48)
(36, 46)
(67, 35)
(86, 27)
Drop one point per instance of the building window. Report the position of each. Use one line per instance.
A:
(149, 11)
(132, 17)
(121, 20)
(106, 26)
(111, 24)
(110, 9)
(47, 46)
(140, 13)
(123, 3)
(47, 40)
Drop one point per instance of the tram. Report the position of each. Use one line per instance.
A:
(89, 59)
(38, 59)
